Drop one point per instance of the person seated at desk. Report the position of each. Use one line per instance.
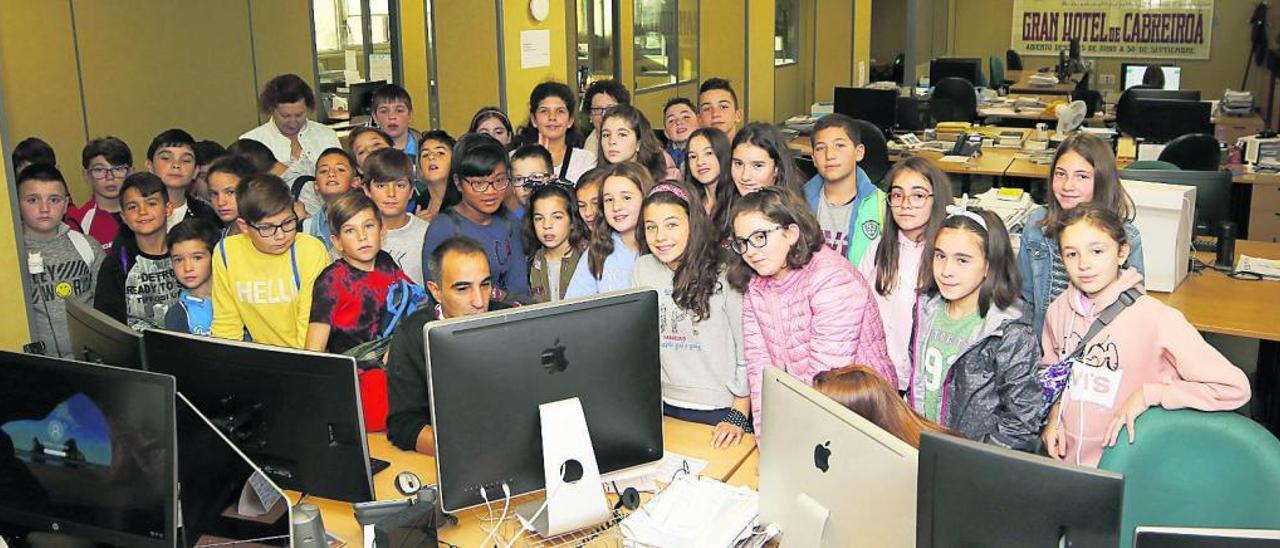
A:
(1153, 77)
(461, 285)
(861, 390)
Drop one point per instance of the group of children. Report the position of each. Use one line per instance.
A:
(913, 310)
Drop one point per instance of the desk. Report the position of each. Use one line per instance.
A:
(748, 474)
(685, 438)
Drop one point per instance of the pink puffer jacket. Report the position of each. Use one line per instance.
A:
(820, 317)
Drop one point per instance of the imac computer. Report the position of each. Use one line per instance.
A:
(960, 67)
(296, 414)
(359, 99)
(211, 474)
(1213, 193)
(840, 478)
(878, 106)
(86, 451)
(99, 338)
(973, 494)
(1133, 73)
(488, 374)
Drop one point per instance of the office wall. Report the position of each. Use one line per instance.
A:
(520, 82)
(722, 43)
(17, 331)
(413, 58)
(835, 49)
(467, 63)
(889, 24)
(793, 84)
(760, 70)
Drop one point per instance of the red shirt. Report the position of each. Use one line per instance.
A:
(89, 219)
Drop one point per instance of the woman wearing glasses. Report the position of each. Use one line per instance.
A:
(918, 197)
(480, 170)
(805, 308)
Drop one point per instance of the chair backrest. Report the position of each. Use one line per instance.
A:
(1092, 100)
(876, 159)
(996, 68)
(899, 64)
(953, 100)
(1194, 152)
(1141, 165)
(909, 118)
(805, 163)
(1197, 469)
(1013, 60)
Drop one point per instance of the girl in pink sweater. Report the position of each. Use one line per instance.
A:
(1149, 355)
(805, 308)
(919, 194)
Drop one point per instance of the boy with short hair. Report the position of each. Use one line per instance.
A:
(32, 150)
(263, 277)
(63, 264)
(191, 246)
(136, 284)
(530, 166)
(363, 141)
(393, 112)
(206, 152)
(387, 181)
(849, 207)
(225, 174)
(172, 157)
(336, 175)
(718, 106)
(679, 119)
(106, 162)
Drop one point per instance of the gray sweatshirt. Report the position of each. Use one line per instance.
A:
(64, 274)
(702, 363)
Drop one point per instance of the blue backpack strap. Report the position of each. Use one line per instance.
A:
(293, 257)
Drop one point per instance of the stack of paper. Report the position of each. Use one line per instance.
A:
(694, 512)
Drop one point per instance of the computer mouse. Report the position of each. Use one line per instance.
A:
(408, 483)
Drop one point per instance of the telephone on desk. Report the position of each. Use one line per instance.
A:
(967, 145)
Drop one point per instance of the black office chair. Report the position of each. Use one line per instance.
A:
(1092, 100)
(953, 100)
(1012, 60)
(805, 163)
(1193, 152)
(1083, 84)
(899, 64)
(909, 118)
(1128, 119)
(876, 160)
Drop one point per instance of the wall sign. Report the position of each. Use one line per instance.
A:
(1154, 29)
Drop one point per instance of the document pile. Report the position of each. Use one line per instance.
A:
(694, 511)
(1236, 103)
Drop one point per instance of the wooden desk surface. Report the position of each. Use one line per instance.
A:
(1217, 303)
(684, 438)
(749, 473)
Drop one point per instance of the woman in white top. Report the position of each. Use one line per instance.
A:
(294, 139)
(551, 125)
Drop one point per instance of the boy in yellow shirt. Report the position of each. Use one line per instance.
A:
(263, 276)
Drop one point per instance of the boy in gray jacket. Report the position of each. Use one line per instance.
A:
(62, 264)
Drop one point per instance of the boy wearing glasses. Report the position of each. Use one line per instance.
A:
(530, 166)
(849, 207)
(106, 161)
(387, 181)
(63, 264)
(263, 277)
(136, 284)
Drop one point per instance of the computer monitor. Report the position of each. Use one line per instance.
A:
(1171, 94)
(1133, 73)
(973, 494)
(1213, 192)
(1190, 537)
(1163, 120)
(839, 462)
(99, 338)
(358, 98)
(1073, 49)
(296, 414)
(878, 106)
(211, 474)
(960, 67)
(87, 451)
(489, 373)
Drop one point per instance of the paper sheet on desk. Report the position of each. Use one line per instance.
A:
(671, 465)
(954, 159)
(1267, 268)
(257, 497)
(694, 512)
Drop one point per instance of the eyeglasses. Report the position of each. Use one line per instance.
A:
(757, 239)
(597, 111)
(534, 179)
(500, 182)
(99, 172)
(268, 230)
(915, 199)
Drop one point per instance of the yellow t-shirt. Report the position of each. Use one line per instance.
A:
(260, 293)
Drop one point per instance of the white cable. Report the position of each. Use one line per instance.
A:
(533, 519)
(506, 504)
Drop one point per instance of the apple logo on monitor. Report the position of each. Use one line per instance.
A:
(553, 359)
(822, 456)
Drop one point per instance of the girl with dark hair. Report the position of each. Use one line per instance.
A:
(587, 190)
(1148, 355)
(599, 97)
(294, 139)
(614, 245)
(707, 168)
(555, 237)
(703, 373)
(918, 197)
(759, 158)
(626, 136)
(861, 390)
(551, 125)
(1083, 171)
(432, 190)
(493, 122)
(480, 170)
(805, 308)
(973, 353)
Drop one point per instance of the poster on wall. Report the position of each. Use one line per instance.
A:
(1154, 29)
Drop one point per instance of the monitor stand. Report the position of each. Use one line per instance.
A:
(810, 525)
(575, 496)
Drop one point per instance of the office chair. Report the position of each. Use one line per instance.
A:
(1193, 152)
(909, 118)
(806, 166)
(996, 68)
(1127, 115)
(1013, 60)
(953, 100)
(1083, 84)
(1092, 100)
(1142, 165)
(899, 64)
(1192, 468)
(876, 160)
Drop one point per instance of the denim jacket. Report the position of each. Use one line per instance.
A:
(1034, 263)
